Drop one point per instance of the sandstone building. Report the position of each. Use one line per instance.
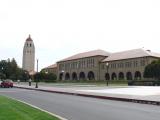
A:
(127, 65)
(51, 69)
(102, 65)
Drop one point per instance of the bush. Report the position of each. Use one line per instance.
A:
(144, 82)
(45, 77)
(153, 70)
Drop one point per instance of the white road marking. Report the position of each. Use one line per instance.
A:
(5, 90)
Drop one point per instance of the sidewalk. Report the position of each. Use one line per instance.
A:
(138, 94)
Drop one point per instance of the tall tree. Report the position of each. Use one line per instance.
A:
(153, 70)
(10, 70)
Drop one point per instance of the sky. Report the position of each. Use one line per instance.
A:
(62, 28)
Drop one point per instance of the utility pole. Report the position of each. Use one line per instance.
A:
(37, 76)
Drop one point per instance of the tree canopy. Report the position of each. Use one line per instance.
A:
(10, 70)
(45, 77)
(153, 70)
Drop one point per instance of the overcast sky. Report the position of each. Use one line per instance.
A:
(61, 28)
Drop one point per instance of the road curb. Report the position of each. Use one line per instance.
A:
(97, 96)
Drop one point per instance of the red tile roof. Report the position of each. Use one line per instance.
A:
(51, 66)
(87, 54)
(135, 53)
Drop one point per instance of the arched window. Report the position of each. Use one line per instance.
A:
(91, 75)
(137, 75)
(82, 76)
(114, 76)
(129, 76)
(60, 76)
(121, 76)
(74, 76)
(67, 76)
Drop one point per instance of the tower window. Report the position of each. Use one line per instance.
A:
(27, 44)
(30, 44)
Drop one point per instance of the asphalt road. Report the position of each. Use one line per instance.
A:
(83, 108)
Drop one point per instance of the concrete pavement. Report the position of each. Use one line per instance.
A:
(84, 108)
(138, 94)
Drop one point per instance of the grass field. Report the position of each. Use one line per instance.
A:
(14, 110)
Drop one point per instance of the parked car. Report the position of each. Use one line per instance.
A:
(7, 84)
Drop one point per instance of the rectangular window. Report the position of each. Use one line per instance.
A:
(119, 65)
(129, 64)
(115, 65)
(84, 64)
(111, 65)
(65, 66)
(142, 62)
(122, 65)
(87, 63)
(135, 63)
(126, 64)
(79, 64)
(93, 63)
(102, 66)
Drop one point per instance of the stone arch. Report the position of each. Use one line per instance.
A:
(121, 76)
(114, 76)
(129, 76)
(74, 76)
(60, 76)
(137, 75)
(91, 75)
(67, 76)
(82, 76)
(107, 76)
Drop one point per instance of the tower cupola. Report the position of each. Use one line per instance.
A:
(29, 38)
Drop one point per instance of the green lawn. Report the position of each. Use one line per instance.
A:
(14, 110)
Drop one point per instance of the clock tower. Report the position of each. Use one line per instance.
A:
(28, 61)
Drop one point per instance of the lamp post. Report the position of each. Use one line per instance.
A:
(25, 76)
(107, 79)
(62, 75)
(37, 76)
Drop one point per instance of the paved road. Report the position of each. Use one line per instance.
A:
(83, 108)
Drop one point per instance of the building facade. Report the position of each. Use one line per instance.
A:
(127, 65)
(83, 66)
(102, 65)
(50, 69)
(28, 61)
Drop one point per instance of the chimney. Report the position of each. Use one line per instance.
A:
(148, 50)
